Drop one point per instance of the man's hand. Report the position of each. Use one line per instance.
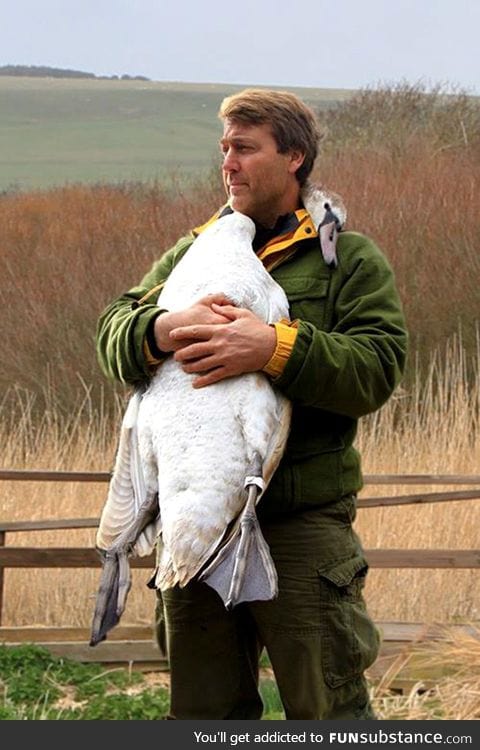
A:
(243, 344)
(200, 313)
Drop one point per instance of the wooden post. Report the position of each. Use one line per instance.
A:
(2, 544)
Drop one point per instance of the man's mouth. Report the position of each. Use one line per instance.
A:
(236, 187)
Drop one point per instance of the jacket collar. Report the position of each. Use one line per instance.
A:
(294, 228)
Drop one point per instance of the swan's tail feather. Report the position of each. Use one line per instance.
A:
(115, 580)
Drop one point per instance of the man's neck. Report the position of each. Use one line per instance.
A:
(265, 234)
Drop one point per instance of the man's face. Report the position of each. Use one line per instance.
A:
(260, 182)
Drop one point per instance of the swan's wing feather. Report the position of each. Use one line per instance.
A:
(127, 490)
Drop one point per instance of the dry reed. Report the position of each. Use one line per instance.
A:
(451, 693)
(431, 428)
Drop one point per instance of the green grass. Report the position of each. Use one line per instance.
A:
(57, 131)
(272, 706)
(36, 686)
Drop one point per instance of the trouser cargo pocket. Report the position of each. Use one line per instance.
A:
(350, 640)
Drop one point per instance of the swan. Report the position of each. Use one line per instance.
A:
(193, 463)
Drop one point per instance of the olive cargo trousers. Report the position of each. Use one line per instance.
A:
(317, 633)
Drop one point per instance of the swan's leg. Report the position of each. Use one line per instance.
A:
(243, 569)
(243, 550)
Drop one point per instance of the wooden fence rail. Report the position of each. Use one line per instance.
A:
(48, 557)
(36, 475)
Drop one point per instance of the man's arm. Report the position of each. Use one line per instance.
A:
(123, 325)
(353, 368)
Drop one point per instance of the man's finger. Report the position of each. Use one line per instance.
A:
(214, 376)
(195, 332)
(192, 351)
(217, 298)
(203, 365)
(229, 311)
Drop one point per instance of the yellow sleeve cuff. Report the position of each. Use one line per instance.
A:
(286, 336)
(149, 358)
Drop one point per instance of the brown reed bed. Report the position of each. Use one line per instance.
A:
(410, 181)
(65, 253)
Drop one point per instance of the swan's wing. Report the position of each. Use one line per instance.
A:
(127, 491)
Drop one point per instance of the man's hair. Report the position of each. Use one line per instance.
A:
(294, 125)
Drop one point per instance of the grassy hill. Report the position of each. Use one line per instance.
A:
(54, 130)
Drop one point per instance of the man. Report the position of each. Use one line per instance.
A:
(340, 358)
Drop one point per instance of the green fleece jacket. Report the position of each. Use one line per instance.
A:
(347, 359)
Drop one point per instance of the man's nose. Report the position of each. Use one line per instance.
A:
(230, 162)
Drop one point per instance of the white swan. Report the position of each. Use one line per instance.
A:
(192, 463)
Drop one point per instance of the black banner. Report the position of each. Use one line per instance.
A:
(291, 735)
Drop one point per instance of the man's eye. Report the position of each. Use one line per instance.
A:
(238, 148)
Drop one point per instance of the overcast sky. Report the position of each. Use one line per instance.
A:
(320, 43)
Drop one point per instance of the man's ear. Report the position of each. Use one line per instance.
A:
(296, 161)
